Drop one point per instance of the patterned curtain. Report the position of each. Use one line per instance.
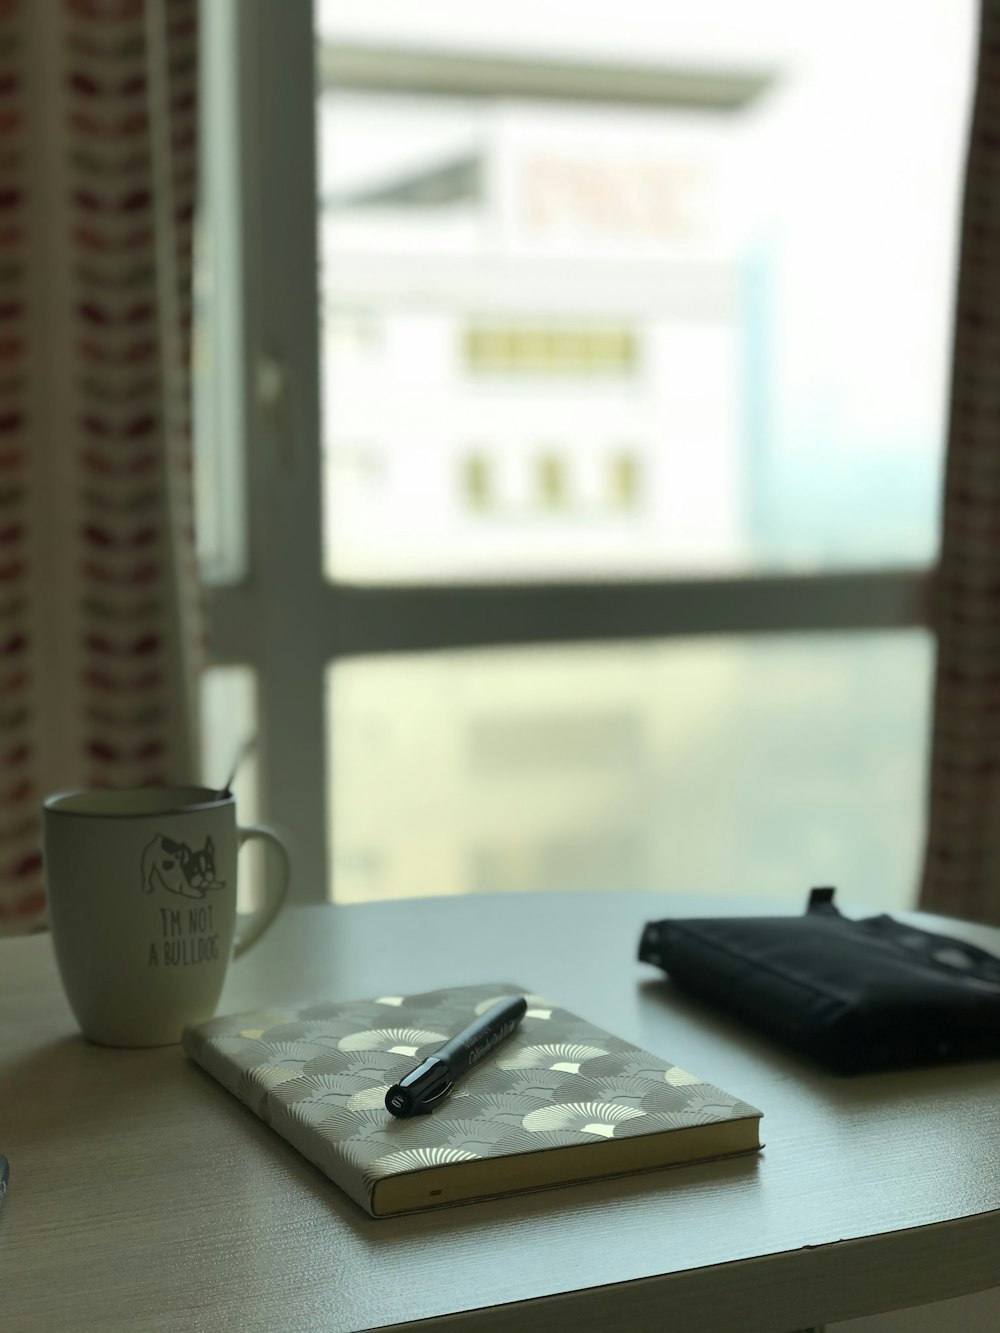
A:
(962, 865)
(98, 589)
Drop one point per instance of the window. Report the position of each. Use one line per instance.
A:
(572, 401)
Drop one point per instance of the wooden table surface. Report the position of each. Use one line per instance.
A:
(142, 1195)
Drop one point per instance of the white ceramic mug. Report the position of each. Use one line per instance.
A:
(141, 887)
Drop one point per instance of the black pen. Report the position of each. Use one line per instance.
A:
(4, 1176)
(428, 1085)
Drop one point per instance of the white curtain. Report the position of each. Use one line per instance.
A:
(99, 628)
(962, 865)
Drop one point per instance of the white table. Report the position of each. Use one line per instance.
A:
(144, 1196)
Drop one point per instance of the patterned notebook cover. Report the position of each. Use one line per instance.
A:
(319, 1074)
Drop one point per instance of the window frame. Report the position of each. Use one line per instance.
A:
(289, 641)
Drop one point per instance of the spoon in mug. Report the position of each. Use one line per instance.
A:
(246, 748)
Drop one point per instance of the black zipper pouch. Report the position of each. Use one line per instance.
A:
(857, 996)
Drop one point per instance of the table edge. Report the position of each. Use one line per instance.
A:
(814, 1285)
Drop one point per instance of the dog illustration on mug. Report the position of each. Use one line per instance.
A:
(173, 866)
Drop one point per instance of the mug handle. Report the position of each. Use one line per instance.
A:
(275, 890)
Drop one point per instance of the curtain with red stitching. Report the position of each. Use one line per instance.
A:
(962, 863)
(98, 588)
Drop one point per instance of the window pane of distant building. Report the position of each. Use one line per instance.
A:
(657, 289)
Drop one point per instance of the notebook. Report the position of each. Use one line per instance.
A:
(561, 1101)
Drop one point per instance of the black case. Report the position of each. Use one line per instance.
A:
(857, 996)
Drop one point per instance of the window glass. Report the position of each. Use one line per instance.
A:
(734, 766)
(229, 717)
(217, 342)
(635, 289)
